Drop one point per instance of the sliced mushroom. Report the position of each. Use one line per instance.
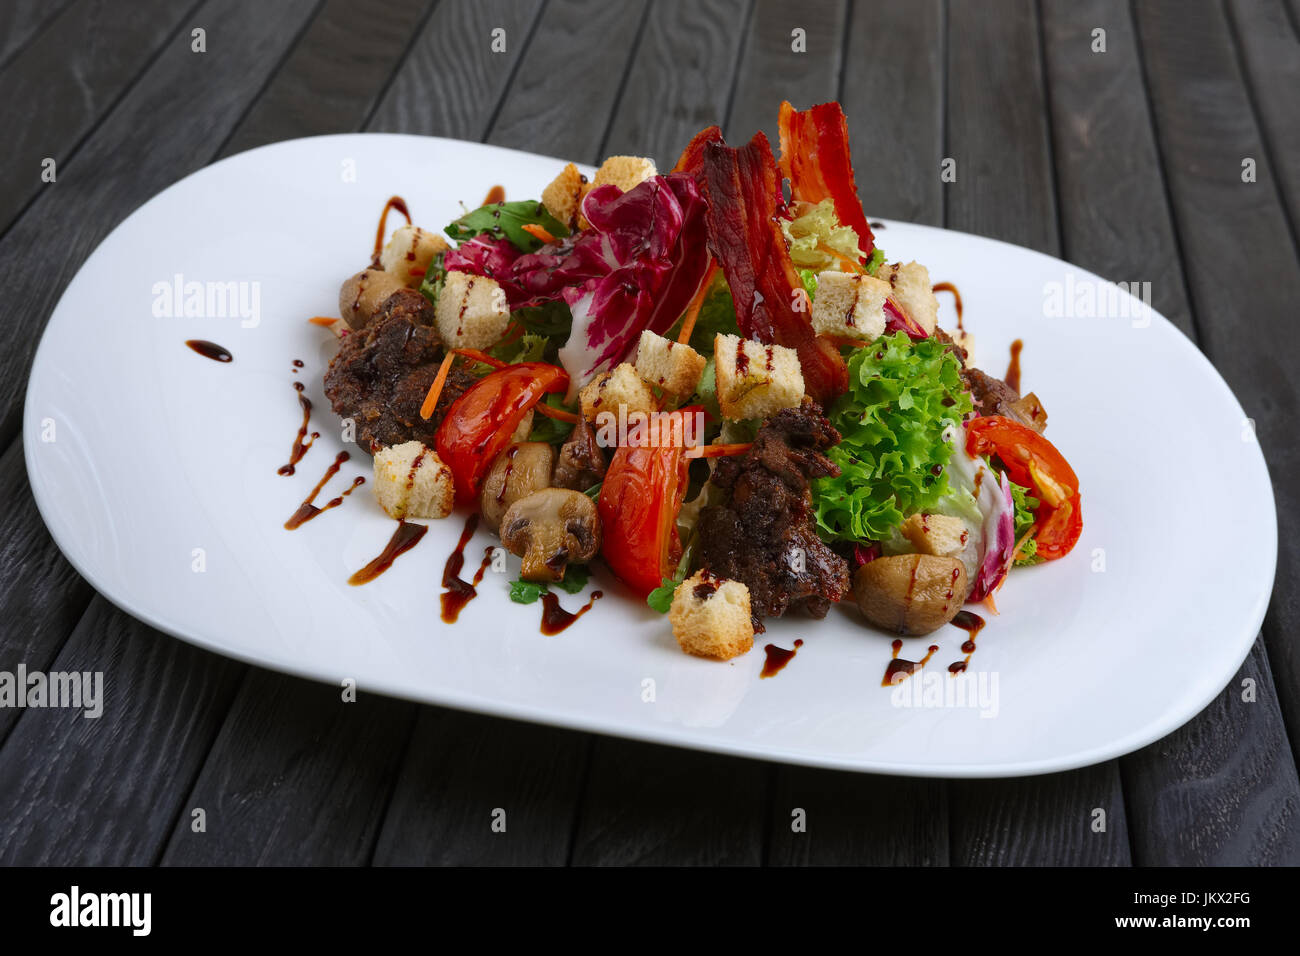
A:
(550, 528)
(518, 471)
(910, 593)
(363, 294)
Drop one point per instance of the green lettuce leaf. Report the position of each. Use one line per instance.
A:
(506, 220)
(892, 457)
(1026, 504)
(817, 230)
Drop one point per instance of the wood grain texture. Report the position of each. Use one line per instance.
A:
(1230, 228)
(651, 805)
(1270, 51)
(334, 77)
(999, 133)
(78, 791)
(21, 21)
(997, 127)
(1221, 790)
(857, 820)
(571, 125)
(42, 597)
(461, 770)
(73, 792)
(892, 91)
(681, 78)
(61, 85)
(297, 777)
(108, 177)
(772, 71)
(451, 81)
(1187, 802)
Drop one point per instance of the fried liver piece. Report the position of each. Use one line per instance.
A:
(581, 463)
(380, 376)
(765, 535)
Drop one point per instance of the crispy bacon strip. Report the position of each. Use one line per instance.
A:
(692, 158)
(744, 189)
(815, 158)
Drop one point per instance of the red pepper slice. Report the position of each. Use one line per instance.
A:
(1034, 462)
(744, 188)
(815, 158)
(478, 425)
(639, 503)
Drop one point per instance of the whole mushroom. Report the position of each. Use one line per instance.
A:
(910, 593)
(363, 294)
(520, 470)
(550, 528)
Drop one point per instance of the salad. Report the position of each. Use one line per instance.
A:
(711, 379)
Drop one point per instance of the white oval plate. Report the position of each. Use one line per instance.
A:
(160, 486)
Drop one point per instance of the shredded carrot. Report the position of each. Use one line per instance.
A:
(483, 357)
(693, 310)
(558, 414)
(988, 603)
(324, 320)
(853, 264)
(1024, 539)
(537, 232)
(417, 272)
(718, 451)
(431, 399)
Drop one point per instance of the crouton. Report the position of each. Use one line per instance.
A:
(412, 482)
(913, 292)
(409, 253)
(625, 172)
(710, 617)
(621, 387)
(850, 305)
(755, 380)
(939, 535)
(472, 311)
(672, 366)
(563, 197)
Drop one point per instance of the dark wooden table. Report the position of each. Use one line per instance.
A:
(1128, 162)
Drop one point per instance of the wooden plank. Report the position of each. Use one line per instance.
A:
(647, 805)
(772, 70)
(857, 820)
(42, 597)
(153, 738)
(479, 791)
(1241, 265)
(451, 81)
(334, 78)
(60, 86)
(568, 114)
(1180, 785)
(1269, 43)
(21, 20)
(115, 170)
(681, 79)
(78, 791)
(999, 135)
(1222, 790)
(893, 94)
(298, 776)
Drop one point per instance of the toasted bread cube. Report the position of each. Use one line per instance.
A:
(850, 305)
(625, 172)
(563, 197)
(409, 253)
(939, 535)
(672, 366)
(913, 292)
(710, 617)
(472, 311)
(755, 380)
(621, 387)
(411, 481)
